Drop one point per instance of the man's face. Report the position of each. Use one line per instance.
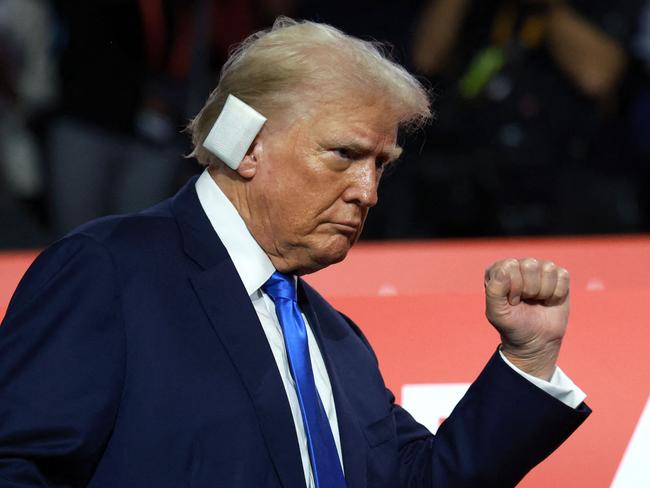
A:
(315, 182)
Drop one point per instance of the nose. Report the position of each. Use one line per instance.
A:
(363, 184)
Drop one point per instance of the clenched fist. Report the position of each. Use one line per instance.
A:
(527, 301)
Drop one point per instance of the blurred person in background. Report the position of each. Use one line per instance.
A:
(526, 88)
(133, 72)
(27, 91)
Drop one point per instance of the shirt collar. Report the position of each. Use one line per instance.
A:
(251, 262)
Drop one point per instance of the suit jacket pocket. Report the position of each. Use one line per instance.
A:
(380, 431)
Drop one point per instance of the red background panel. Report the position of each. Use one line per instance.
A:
(421, 306)
(12, 268)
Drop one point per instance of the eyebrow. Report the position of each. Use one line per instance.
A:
(390, 155)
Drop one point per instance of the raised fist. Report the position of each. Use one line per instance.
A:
(527, 301)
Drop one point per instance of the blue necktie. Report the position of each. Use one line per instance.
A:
(322, 449)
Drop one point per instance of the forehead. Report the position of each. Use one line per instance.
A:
(369, 126)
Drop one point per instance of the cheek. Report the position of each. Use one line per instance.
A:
(307, 204)
(292, 220)
(303, 197)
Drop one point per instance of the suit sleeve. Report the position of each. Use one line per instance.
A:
(62, 364)
(502, 428)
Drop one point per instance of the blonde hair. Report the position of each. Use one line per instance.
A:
(273, 70)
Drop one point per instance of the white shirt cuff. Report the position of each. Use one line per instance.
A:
(560, 385)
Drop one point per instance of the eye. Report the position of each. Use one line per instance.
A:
(344, 152)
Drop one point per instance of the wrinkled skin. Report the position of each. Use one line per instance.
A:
(305, 187)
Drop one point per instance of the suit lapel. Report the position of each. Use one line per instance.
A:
(235, 323)
(352, 438)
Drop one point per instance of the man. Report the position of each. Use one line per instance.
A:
(176, 347)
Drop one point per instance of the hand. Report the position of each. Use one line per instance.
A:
(527, 301)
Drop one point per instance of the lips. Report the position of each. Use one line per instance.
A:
(349, 227)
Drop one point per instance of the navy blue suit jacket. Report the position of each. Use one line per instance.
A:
(131, 356)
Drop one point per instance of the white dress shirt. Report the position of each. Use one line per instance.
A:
(255, 268)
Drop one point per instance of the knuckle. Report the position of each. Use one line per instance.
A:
(529, 264)
(548, 266)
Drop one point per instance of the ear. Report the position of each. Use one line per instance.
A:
(248, 167)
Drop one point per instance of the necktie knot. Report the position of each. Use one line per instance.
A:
(280, 285)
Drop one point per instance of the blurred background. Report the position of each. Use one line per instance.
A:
(542, 110)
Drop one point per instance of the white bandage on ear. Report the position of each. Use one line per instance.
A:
(233, 132)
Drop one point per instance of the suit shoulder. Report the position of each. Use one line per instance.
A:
(66, 260)
(105, 245)
(97, 243)
(154, 223)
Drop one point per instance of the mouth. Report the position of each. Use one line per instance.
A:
(348, 228)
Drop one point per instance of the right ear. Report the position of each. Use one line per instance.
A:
(248, 167)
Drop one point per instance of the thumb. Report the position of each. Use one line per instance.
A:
(497, 286)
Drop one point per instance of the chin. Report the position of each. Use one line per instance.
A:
(334, 254)
(324, 257)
